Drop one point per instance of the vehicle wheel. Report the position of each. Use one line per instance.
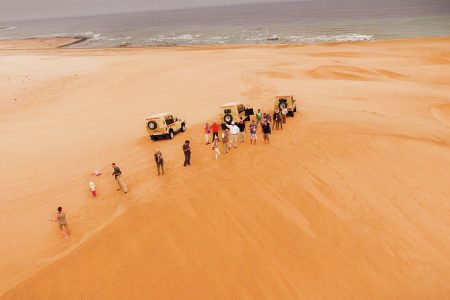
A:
(295, 109)
(183, 127)
(228, 118)
(152, 125)
(171, 135)
(292, 113)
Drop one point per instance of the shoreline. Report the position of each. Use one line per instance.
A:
(80, 39)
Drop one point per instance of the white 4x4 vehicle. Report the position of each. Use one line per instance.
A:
(164, 125)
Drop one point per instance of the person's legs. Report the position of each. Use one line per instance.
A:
(118, 182)
(185, 159)
(94, 194)
(235, 140)
(162, 168)
(206, 138)
(189, 159)
(122, 184)
(217, 152)
(63, 230)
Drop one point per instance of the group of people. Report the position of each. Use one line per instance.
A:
(232, 134)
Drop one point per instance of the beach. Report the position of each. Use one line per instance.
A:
(349, 201)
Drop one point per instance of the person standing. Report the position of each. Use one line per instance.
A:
(242, 130)
(276, 119)
(215, 147)
(159, 162)
(93, 189)
(225, 140)
(253, 127)
(284, 112)
(60, 217)
(187, 153)
(207, 132)
(234, 131)
(258, 117)
(117, 173)
(215, 130)
(266, 131)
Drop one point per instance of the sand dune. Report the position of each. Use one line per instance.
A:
(351, 199)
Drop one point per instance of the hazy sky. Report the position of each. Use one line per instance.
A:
(30, 9)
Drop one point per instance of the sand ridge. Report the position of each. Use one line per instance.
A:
(349, 201)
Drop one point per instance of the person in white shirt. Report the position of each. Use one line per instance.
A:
(284, 112)
(234, 131)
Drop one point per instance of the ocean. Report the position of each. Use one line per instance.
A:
(270, 23)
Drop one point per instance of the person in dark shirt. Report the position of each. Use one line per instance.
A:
(117, 173)
(159, 162)
(241, 126)
(187, 153)
(266, 131)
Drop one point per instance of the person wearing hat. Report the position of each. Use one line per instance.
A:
(187, 153)
(234, 131)
(159, 162)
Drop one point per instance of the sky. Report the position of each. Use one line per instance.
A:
(36, 9)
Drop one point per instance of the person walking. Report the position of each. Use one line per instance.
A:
(215, 130)
(187, 153)
(207, 132)
(258, 117)
(93, 189)
(234, 131)
(60, 217)
(215, 147)
(266, 132)
(225, 140)
(159, 162)
(117, 173)
(253, 128)
(284, 113)
(242, 130)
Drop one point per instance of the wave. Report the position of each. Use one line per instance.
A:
(353, 37)
(7, 28)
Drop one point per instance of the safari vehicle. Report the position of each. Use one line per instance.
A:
(234, 111)
(289, 102)
(164, 125)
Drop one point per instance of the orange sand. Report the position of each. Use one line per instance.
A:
(351, 200)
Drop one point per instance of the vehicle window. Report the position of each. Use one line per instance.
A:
(227, 111)
(169, 120)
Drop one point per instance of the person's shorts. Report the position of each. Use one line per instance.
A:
(62, 225)
(253, 136)
(266, 136)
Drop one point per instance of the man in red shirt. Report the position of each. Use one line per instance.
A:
(215, 130)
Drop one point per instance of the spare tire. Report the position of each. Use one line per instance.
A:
(152, 125)
(228, 118)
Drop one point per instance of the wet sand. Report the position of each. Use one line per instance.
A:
(350, 200)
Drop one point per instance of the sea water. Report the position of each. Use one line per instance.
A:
(270, 23)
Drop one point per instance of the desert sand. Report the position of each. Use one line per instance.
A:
(350, 201)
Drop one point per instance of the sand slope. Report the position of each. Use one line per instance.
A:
(351, 200)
